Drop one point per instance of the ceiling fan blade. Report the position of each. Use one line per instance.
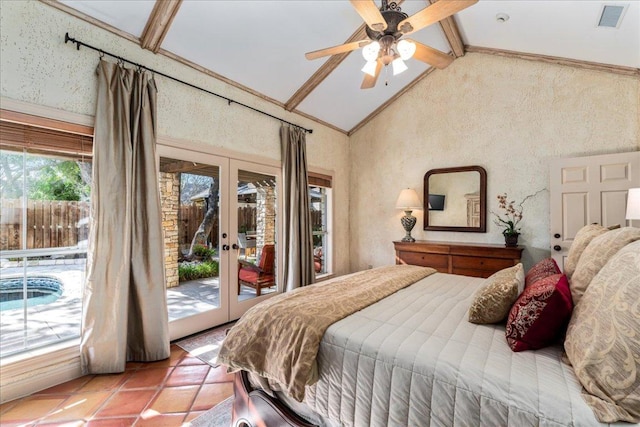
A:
(431, 56)
(370, 13)
(347, 47)
(369, 80)
(434, 13)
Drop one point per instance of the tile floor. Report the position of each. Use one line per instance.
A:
(167, 393)
(60, 320)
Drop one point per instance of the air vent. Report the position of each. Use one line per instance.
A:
(611, 16)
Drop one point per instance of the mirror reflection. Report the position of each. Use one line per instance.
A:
(455, 199)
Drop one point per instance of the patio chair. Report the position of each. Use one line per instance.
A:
(247, 244)
(258, 276)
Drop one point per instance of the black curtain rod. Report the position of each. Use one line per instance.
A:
(229, 100)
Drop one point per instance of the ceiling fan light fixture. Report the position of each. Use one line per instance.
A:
(398, 66)
(370, 51)
(406, 49)
(370, 68)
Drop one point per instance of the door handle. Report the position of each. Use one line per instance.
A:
(557, 235)
(557, 248)
(225, 247)
(235, 246)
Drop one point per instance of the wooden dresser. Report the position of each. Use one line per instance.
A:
(467, 259)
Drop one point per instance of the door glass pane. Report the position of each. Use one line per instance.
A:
(190, 197)
(257, 208)
(319, 225)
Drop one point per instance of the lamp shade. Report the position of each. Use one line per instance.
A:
(633, 203)
(408, 200)
(370, 51)
(370, 68)
(406, 49)
(398, 66)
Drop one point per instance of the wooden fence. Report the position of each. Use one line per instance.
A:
(190, 217)
(50, 224)
(53, 224)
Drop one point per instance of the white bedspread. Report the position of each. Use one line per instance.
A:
(413, 359)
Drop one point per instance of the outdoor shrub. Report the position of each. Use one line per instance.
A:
(193, 271)
(203, 252)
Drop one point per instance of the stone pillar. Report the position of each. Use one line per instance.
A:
(265, 218)
(170, 200)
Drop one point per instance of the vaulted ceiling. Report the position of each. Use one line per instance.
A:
(260, 45)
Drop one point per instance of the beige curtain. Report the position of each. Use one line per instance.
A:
(298, 241)
(124, 305)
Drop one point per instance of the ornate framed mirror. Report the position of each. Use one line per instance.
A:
(455, 199)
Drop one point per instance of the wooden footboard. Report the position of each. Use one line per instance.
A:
(255, 408)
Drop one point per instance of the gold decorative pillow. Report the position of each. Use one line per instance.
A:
(492, 302)
(583, 237)
(596, 255)
(603, 339)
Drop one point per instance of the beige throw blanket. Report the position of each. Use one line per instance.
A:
(279, 338)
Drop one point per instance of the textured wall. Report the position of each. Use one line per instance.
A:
(507, 115)
(37, 67)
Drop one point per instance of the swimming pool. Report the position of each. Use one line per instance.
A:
(40, 290)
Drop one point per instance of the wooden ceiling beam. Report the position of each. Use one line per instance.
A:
(158, 24)
(452, 34)
(575, 63)
(322, 72)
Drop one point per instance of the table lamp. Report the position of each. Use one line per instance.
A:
(633, 204)
(408, 200)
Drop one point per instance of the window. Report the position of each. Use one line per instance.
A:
(45, 181)
(320, 201)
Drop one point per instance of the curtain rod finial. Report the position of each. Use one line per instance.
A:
(71, 39)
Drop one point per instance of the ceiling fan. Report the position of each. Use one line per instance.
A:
(385, 28)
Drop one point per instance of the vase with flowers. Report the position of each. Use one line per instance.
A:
(508, 219)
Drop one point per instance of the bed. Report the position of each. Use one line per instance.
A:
(414, 359)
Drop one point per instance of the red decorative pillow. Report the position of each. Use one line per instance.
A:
(543, 269)
(540, 315)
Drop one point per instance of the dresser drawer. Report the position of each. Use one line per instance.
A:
(472, 272)
(467, 259)
(479, 263)
(439, 262)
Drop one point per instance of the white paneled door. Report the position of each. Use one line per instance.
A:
(587, 190)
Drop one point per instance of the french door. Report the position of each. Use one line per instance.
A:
(221, 222)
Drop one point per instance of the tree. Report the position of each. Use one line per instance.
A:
(14, 169)
(61, 180)
(191, 184)
(211, 205)
(43, 178)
